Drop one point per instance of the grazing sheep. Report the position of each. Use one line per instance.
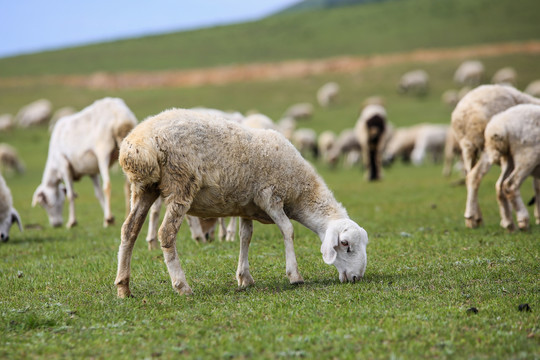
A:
(416, 82)
(6, 122)
(85, 143)
(301, 111)
(8, 214)
(305, 140)
(430, 138)
(400, 144)
(372, 132)
(450, 97)
(533, 88)
(505, 76)
(469, 120)
(469, 73)
(10, 159)
(259, 121)
(287, 126)
(327, 94)
(325, 142)
(35, 113)
(513, 141)
(207, 167)
(346, 145)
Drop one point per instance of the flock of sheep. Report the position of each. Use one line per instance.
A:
(176, 158)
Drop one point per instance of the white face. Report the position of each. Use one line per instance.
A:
(52, 200)
(344, 246)
(6, 222)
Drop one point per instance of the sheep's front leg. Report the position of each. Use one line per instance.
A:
(103, 163)
(536, 185)
(505, 209)
(167, 234)
(242, 273)
(511, 189)
(153, 222)
(70, 194)
(473, 215)
(141, 202)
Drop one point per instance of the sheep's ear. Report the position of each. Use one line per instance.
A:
(16, 218)
(39, 198)
(328, 247)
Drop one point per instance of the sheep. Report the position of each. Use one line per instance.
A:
(8, 214)
(450, 97)
(305, 140)
(287, 126)
(470, 73)
(415, 81)
(325, 142)
(206, 167)
(231, 116)
(300, 111)
(429, 138)
(533, 88)
(9, 158)
(327, 94)
(259, 121)
(6, 122)
(64, 111)
(513, 140)
(372, 133)
(346, 145)
(469, 120)
(505, 76)
(35, 113)
(400, 144)
(85, 143)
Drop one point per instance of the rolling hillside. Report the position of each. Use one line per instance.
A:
(373, 28)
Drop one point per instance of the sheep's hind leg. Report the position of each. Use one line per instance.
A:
(511, 188)
(141, 202)
(242, 273)
(505, 208)
(473, 215)
(153, 224)
(174, 216)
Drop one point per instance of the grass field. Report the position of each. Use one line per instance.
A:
(425, 270)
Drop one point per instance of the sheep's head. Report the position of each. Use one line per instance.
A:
(344, 246)
(51, 198)
(7, 221)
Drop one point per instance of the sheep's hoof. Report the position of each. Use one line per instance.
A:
(523, 224)
(153, 244)
(245, 280)
(71, 224)
(509, 226)
(296, 279)
(108, 221)
(123, 292)
(473, 223)
(183, 289)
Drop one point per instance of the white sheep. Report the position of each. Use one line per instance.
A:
(415, 81)
(347, 146)
(6, 122)
(212, 168)
(513, 141)
(35, 113)
(287, 126)
(305, 140)
(470, 73)
(469, 120)
(259, 121)
(505, 76)
(325, 142)
(327, 94)
(431, 139)
(9, 158)
(400, 144)
(533, 88)
(60, 113)
(300, 111)
(8, 214)
(372, 132)
(85, 143)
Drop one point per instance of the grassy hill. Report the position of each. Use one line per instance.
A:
(383, 27)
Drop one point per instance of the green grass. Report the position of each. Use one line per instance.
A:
(389, 26)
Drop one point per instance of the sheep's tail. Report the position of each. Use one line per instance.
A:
(139, 160)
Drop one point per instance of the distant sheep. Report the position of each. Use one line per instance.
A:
(469, 120)
(327, 94)
(513, 141)
(8, 214)
(36, 113)
(305, 140)
(287, 126)
(325, 142)
(207, 167)
(533, 88)
(505, 76)
(9, 159)
(6, 122)
(300, 111)
(347, 146)
(85, 143)
(372, 132)
(259, 121)
(415, 82)
(430, 139)
(470, 73)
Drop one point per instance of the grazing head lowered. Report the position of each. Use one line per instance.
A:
(52, 199)
(8, 214)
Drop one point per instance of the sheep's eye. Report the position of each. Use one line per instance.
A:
(344, 243)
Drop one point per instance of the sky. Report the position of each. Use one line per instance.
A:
(28, 26)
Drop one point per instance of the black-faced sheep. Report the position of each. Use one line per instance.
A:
(259, 176)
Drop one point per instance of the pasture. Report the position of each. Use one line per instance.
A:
(425, 269)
